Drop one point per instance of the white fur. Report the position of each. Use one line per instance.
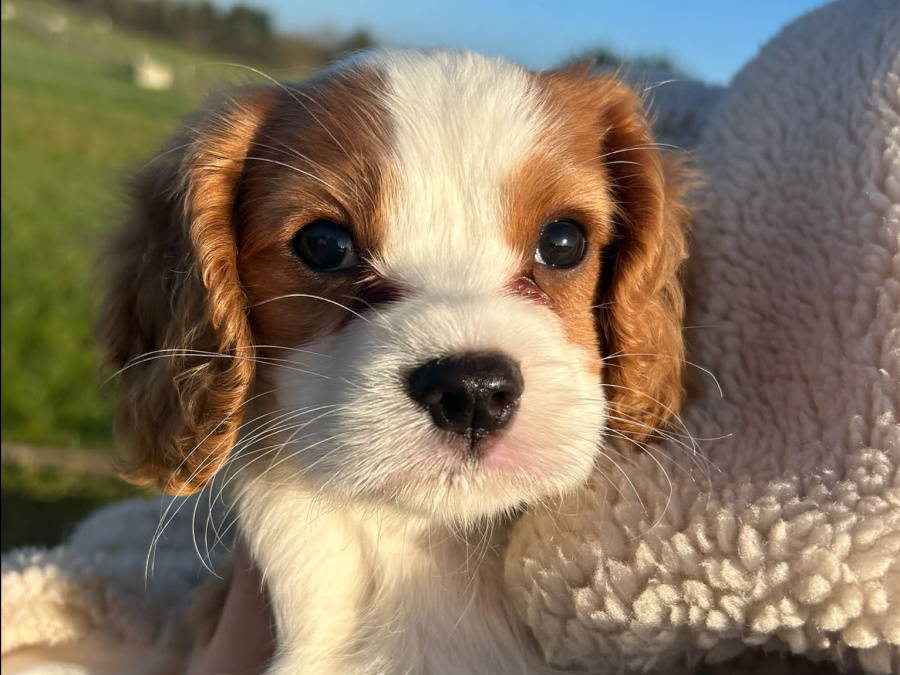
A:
(377, 539)
(463, 123)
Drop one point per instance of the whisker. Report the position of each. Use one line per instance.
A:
(650, 87)
(690, 446)
(286, 149)
(294, 94)
(149, 565)
(163, 154)
(299, 474)
(311, 297)
(642, 146)
(624, 161)
(619, 355)
(607, 457)
(278, 447)
(287, 364)
(665, 474)
(297, 169)
(268, 429)
(165, 518)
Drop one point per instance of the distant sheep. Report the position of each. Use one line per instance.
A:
(152, 74)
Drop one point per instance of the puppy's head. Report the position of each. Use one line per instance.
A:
(442, 278)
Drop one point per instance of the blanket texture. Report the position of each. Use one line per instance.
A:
(782, 531)
(107, 587)
(780, 534)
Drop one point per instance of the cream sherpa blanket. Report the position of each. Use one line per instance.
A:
(782, 534)
(103, 589)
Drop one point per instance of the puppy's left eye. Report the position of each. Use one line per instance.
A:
(325, 246)
(562, 244)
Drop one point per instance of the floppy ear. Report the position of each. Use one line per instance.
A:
(174, 319)
(641, 304)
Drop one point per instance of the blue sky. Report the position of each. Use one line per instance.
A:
(710, 39)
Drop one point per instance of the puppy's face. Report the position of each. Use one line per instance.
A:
(419, 266)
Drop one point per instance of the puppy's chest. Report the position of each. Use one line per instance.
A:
(440, 619)
(377, 597)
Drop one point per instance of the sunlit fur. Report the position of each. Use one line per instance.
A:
(379, 537)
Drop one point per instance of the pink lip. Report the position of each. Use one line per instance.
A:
(502, 456)
(494, 454)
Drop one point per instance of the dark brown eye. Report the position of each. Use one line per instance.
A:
(324, 246)
(562, 244)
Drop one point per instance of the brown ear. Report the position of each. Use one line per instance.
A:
(641, 301)
(174, 319)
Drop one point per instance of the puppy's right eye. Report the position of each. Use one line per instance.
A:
(324, 246)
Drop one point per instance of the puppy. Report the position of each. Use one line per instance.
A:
(396, 304)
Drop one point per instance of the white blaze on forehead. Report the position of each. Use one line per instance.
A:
(461, 124)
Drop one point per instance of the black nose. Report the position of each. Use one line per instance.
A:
(469, 395)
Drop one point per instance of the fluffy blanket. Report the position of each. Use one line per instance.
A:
(780, 533)
(106, 593)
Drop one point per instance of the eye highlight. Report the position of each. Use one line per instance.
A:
(324, 246)
(562, 244)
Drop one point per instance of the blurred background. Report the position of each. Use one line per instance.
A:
(91, 88)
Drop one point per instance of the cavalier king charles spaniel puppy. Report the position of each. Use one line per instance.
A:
(396, 304)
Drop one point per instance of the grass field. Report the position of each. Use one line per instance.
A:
(71, 120)
(72, 123)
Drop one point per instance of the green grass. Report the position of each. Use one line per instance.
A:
(72, 124)
(39, 507)
(69, 126)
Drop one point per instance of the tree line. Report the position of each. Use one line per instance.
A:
(242, 30)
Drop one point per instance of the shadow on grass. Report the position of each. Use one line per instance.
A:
(40, 507)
